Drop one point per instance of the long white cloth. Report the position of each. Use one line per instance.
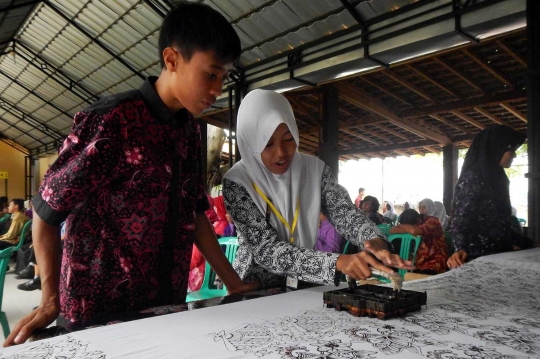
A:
(260, 113)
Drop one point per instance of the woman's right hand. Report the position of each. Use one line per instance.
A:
(457, 259)
(358, 265)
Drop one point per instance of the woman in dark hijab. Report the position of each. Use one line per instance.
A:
(482, 210)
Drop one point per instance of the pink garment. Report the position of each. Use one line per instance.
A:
(221, 223)
(211, 214)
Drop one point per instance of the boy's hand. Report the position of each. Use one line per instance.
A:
(39, 318)
(244, 287)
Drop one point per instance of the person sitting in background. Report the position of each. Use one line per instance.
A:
(432, 252)
(328, 239)
(440, 213)
(358, 200)
(390, 211)
(4, 205)
(211, 213)
(28, 205)
(370, 206)
(221, 211)
(481, 207)
(230, 230)
(19, 219)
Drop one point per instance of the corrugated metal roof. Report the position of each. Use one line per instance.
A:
(69, 53)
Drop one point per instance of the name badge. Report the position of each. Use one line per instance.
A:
(292, 282)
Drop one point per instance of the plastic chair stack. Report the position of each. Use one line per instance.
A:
(385, 228)
(208, 288)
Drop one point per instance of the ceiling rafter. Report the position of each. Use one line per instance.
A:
(433, 81)
(514, 111)
(520, 59)
(458, 74)
(469, 119)
(354, 96)
(357, 135)
(409, 86)
(376, 134)
(23, 132)
(391, 131)
(386, 91)
(489, 115)
(495, 73)
(449, 123)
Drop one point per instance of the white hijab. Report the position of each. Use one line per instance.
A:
(440, 212)
(260, 113)
(431, 211)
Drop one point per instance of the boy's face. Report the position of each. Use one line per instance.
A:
(12, 207)
(195, 84)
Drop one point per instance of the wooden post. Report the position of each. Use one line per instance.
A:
(450, 170)
(533, 117)
(329, 132)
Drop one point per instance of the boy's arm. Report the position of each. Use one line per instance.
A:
(206, 242)
(46, 246)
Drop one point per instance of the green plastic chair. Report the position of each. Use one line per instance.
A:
(385, 228)
(4, 218)
(208, 288)
(522, 221)
(4, 261)
(24, 233)
(405, 249)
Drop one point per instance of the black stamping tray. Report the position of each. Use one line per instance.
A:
(375, 301)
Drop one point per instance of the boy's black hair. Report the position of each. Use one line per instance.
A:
(374, 203)
(4, 200)
(192, 27)
(361, 189)
(19, 202)
(409, 216)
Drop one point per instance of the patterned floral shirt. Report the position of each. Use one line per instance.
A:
(113, 180)
(262, 256)
(479, 226)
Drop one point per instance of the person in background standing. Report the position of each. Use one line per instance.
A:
(358, 200)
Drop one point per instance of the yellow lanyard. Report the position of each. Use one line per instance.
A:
(276, 211)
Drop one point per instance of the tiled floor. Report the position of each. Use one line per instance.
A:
(17, 303)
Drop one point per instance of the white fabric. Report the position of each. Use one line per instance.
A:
(260, 113)
(485, 309)
(390, 212)
(431, 211)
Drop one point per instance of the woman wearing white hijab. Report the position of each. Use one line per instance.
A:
(275, 195)
(390, 211)
(440, 213)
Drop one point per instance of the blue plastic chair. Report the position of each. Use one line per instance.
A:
(208, 288)
(405, 251)
(4, 261)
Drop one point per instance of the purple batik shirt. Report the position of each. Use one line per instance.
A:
(112, 181)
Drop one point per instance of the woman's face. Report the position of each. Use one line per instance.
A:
(507, 158)
(422, 208)
(406, 206)
(279, 151)
(367, 207)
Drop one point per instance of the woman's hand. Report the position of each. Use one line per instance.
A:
(457, 259)
(379, 249)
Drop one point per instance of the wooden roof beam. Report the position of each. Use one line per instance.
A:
(354, 134)
(521, 60)
(469, 119)
(466, 104)
(432, 150)
(449, 123)
(433, 81)
(354, 96)
(458, 74)
(386, 91)
(499, 76)
(402, 153)
(514, 111)
(489, 115)
(376, 134)
(391, 131)
(409, 86)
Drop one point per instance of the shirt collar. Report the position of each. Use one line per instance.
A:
(158, 109)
